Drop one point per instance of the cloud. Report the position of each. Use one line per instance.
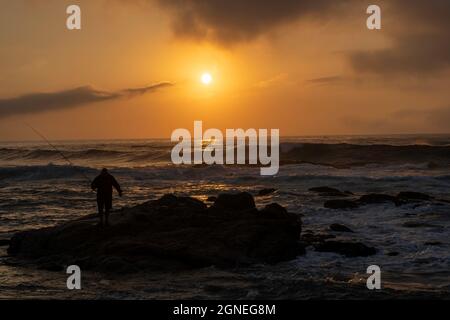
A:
(42, 102)
(402, 120)
(420, 46)
(325, 80)
(229, 22)
(418, 30)
(438, 118)
(278, 79)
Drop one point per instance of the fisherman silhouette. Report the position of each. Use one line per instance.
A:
(104, 183)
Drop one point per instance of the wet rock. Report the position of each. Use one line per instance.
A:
(323, 189)
(415, 196)
(392, 253)
(237, 201)
(51, 267)
(418, 224)
(311, 238)
(340, 228)
(373, 198)
(330, 192)
(340, 204)
(275, 211)
(170, 233)
(266, 191)
(433, 243)
(211, 199)
(348, 249)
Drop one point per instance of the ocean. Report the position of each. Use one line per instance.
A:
(38, 188)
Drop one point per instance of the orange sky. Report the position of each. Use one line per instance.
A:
(307, 70)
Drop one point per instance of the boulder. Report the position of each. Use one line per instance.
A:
(170, 233)
(237, 201)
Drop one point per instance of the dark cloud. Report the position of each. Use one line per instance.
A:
(233, 21)
(41, 102)
(419, 30)
(420, 46)
(429, 119)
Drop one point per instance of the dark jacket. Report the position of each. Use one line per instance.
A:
(104, 183)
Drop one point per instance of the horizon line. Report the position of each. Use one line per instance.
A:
(281, 137)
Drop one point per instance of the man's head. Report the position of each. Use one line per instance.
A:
(104, 171)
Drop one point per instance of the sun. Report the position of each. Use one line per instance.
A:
(206, 78)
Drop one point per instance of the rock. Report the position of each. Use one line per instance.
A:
(348, 249)
(237, 201)
(339, 228)
(312, 238)
(4, 242)
(171, 233)
(432, 243)
(275, 211)
(211, 199)
(340, 204)
(324, 190)
(410, 195)
(330, 192)
(373, 198)
(51, 267)
(392, 253)
(418, 224)
(266, 191)
(401, 198)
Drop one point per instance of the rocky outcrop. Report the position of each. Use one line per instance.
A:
(169, 233)
(325, 242)
(405, 197)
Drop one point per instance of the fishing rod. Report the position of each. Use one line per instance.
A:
(60, 153)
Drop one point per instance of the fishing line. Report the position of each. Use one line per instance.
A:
(60, 153)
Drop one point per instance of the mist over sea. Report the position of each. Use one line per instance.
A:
(38, 188)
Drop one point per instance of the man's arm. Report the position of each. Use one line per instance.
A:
(116, 186)
(94, 184)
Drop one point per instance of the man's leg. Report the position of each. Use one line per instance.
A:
(107, 217)
(100, 205)
(108, 206)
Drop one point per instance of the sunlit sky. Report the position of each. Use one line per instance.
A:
(305, 67)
